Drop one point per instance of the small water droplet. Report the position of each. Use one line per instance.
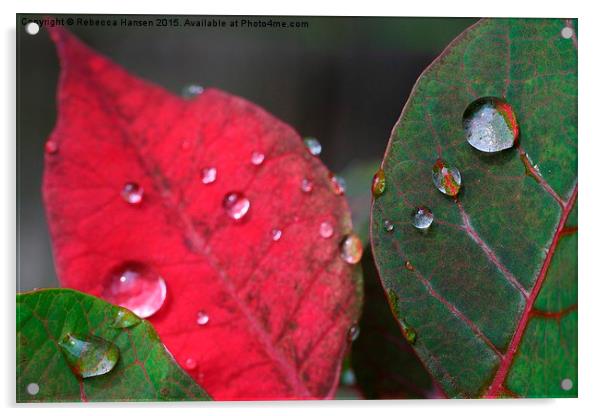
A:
(566, 32)
(348, 377)
(422, 217)
(353, 333)
(192, 90)
(306, 185)
(408, 265)
(378, 183)
(326, 230)
(208, 175)
(566, 384)
(132, 193)
(490, 124)
(89, 355)
(446, 178)
(276, 234)
(33, 389)
(313, 145)
(236, 205)
(190, 364)
(51, 147)
(125, 319)
(351, 249)
(257, 158)
(202, 318)
(388, 226)
(135, 287)
(409, 333)
(338, 184)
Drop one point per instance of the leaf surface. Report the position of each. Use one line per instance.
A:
(492, 291)
(145, 371)
(278, 311)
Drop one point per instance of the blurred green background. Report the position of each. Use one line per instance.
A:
(343, 80)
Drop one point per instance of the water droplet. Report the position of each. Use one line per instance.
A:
(125, 318)
(338, 184)
(135, 287)
(257, 158)
(236, 205)
(490, 124)
(51, 147)
(313, 145)
(408, 265)
(326, 230)
(422, 217)
(566, 32)
(409, 333)
(351, 249)
(202, 318)
(33, 389)
(89, 355)
(191, 91)
(378, 183)
(306, 185)
(190, 363)
(353, 333)
(132, 193)
(446, 178)
(348, 377)
(388, 226)
(276, 234)
(208, 175)
(566, 384)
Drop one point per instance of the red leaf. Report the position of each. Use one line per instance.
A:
(279, 311)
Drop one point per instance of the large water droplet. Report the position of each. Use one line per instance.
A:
(326, 230)
(337, 184)
(208, 175)
(125, 319)
(422, 217)
(202, 318)
(135, 287)
(192, 90)
(33, 389)
(236, 205)
(353, 333)
(378, 183)
(190, 363)
(51, 147)
(276, 234)
(388, 226)
(313, 145)
(490, 125)
(257, 158)
(351, 249)
(306, 185)
(89, 355)
(132, 193)
(446, 178)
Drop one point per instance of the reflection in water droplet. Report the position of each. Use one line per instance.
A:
(353, 333)
(192, 90)
(190, 363)
(338, 184)
(351, 249)
(202, 318)
(490, 125)
(313, 145)
(33, 389)
(132, 193)
(566, 384)
(276, 234)
(378, 183)
(208, 175)
(236, 205)
(125, 319)
(326, 230)
(136, 287)
(89, 355)
(388, 226)
(307, 185)
(257, 158)
(422, 217)
(446, 178)
(566, 32)
(408, 265)
(51, 147)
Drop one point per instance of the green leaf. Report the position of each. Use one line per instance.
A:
(145, 370)
(491, 293)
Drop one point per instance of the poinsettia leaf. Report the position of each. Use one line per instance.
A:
(141, 370)
(207, 194)
(488, 293)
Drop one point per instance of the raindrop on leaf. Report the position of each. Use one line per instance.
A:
(89, 355)
(490, 125)
(313, 145)
(236, 205)
(446, 178)
(422, 217)
(132, 193)
(351, 249)
(378, 183)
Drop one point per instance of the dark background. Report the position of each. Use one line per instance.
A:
(343, 80)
